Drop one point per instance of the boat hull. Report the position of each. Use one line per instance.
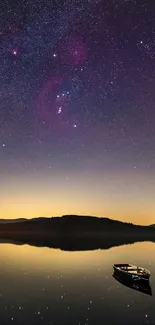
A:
(131, 276)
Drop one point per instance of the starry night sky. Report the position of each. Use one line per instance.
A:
(77, 105)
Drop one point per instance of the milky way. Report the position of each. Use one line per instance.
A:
(77, 87)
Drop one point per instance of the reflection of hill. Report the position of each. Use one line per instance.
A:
(75, 232)
(68, 244)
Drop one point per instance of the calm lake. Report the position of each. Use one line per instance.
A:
(49, 286)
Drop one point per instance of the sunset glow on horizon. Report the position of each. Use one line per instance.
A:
(122, 197)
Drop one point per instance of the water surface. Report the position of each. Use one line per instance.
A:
(50, 286)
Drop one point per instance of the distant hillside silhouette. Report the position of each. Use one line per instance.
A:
(73, 232)
(12, 220)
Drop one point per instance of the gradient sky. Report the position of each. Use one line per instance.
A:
(77, 105)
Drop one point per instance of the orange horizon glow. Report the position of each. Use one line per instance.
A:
(121, 196)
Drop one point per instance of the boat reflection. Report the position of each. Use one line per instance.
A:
(142, 286)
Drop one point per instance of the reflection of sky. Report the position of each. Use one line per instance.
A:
(39, 285)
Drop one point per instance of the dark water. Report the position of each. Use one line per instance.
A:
(46, 286)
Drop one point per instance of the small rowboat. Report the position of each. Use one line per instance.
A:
(131, 271)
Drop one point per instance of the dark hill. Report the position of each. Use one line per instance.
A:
(12, 220)
(75, 232)
(67, 224)
(72, 225)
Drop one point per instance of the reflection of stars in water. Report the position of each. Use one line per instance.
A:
(88, 302)
(59, 277)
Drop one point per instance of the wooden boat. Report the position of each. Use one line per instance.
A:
(141, 286)
(131, 271)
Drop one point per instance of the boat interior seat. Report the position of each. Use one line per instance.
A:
(136, 270)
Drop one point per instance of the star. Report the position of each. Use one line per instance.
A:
(59, 110)
(14, 52)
